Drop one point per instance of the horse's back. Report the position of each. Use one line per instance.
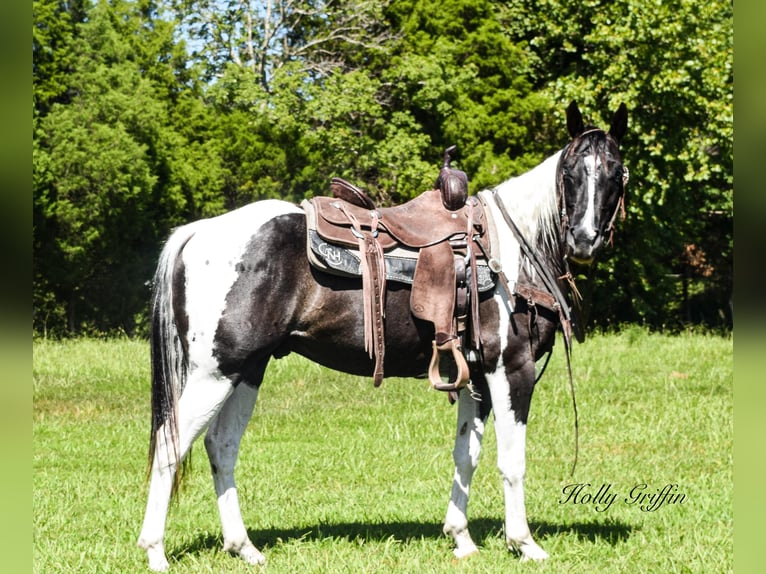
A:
(232, 230)
(217, 244)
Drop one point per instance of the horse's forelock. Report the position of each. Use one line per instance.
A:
(593, 140)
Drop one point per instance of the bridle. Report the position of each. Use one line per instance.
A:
(561, 188)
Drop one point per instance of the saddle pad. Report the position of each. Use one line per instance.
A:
(400, 263)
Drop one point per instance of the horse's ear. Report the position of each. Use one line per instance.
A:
(574, 120)
(619, 122)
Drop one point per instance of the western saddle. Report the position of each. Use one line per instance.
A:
(444, 229)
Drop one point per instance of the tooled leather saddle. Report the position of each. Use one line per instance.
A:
(442, 231)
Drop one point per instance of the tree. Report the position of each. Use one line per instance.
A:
(111, 175)
(466, 83)
(672, 63)
(53, 34)
(264, 36)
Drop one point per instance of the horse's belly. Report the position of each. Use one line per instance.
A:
(335, 336)
(355, 361)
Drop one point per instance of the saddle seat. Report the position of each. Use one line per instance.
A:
(419, 223)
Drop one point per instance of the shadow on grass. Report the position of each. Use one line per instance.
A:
(610, 531)
(482, 530)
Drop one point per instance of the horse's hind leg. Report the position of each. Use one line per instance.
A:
(222, 445)
(470, 430)
(199, 403)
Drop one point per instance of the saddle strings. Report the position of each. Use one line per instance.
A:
(373, 289)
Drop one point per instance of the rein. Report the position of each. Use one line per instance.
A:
(554, 297)
(550, 283)
(560, 304)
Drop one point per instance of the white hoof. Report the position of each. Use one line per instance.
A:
(156, 555)
(252, 555)
(465, 551)
(531, 551)
(464, 545)
(246, 551)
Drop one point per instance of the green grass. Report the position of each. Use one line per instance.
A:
(336, 476)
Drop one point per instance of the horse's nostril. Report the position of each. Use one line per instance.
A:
(598, 241)
(570, 237)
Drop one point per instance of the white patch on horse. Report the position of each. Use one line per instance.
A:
(531, 200)
(511, 437)
(210, 258)
(467, 449)
(592, 169)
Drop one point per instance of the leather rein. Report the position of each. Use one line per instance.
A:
(559, 301)
(560, 304)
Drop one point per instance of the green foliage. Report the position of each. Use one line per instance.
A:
(672, 64)
(150, 113)
(355, 137)
(52, 37)
(111, 174)
(466, 83)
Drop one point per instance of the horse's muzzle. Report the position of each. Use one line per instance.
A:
(582, 248)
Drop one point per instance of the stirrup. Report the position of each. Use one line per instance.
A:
(463, 374)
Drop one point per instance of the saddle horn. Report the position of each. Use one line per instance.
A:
(452, 183)
(448, 155)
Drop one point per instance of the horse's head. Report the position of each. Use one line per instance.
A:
(591, 181)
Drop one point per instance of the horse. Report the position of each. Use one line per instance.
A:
(233, 291)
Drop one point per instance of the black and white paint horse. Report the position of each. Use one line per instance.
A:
(233, 291)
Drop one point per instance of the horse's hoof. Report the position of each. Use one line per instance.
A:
(157, 560)
(247, 551)
(155, 552)
(252, 556)
(532, 552)
(463, 553)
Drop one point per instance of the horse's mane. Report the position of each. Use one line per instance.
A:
(532, 202)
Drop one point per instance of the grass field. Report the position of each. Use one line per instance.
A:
(336, 476)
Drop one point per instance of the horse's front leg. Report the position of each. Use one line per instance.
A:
(511, 397)
(470, 430)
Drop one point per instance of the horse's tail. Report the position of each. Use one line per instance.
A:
(169, 354)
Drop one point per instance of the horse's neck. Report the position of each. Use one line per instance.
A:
(532, 203)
